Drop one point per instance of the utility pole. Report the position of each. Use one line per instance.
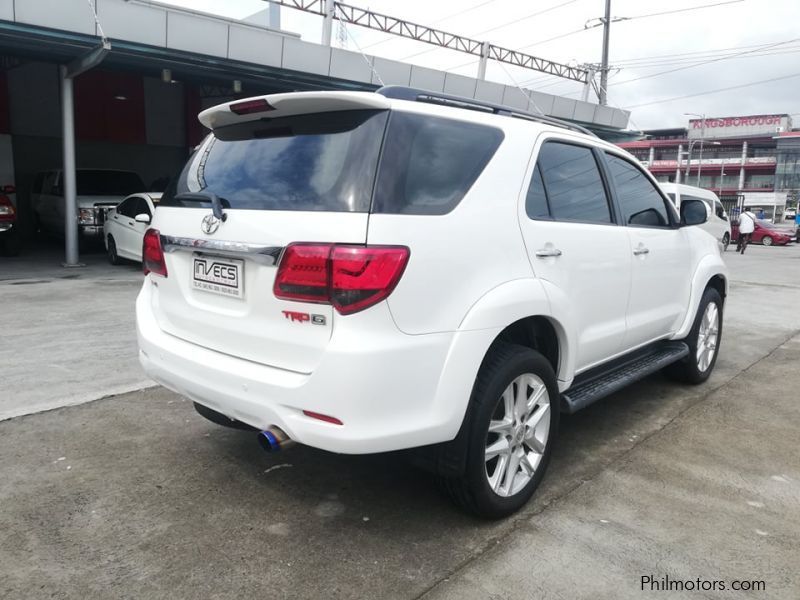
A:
(327, 23)
(604, 65)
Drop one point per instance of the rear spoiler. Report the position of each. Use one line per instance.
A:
(285, 105)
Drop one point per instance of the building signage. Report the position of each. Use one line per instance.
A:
(707, 162)
(726, 127)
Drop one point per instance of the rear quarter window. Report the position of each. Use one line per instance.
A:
(430, 163)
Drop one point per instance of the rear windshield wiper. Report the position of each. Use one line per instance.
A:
(216, 202)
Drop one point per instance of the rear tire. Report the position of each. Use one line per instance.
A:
(113, 257)
(513, 419)
(766, 240)
(703, 341)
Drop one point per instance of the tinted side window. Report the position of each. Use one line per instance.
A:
(575, 189)
(143, 208)
(126, 208)
(641, 203)
(720, 210)
(430, 163)
(536, 200)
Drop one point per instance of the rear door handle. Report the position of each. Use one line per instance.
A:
(548, 252)
(641, 250)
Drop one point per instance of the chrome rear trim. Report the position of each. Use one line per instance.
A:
(267, 255)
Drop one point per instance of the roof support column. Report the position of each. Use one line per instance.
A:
(327, 23)
(68, 73)
(741, 168)
(68, 172)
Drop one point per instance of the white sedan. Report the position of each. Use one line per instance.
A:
(125, 225)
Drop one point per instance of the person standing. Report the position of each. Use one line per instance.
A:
(747, 224)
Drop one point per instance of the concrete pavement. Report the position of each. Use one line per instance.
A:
(136, 496)
(68, 335)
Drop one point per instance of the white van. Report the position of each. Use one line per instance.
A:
(718, 223)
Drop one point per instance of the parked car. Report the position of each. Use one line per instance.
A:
(9, 232)
(125, 225)
(789, 214)
(97, 191)
(718, 223)
(765, 233)
(367, 272)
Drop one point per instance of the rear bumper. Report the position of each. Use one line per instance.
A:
(93, 232)
(391, 390)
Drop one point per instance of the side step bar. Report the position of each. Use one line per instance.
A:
(604, 380)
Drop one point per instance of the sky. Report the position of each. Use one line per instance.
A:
(654, 58)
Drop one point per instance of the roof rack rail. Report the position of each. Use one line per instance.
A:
(400, 92)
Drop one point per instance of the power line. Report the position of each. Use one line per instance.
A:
(506, 24)
(436, 22)
(680, 10)
(563, 35)
(679, 54)
(725, 89)
(697, 61)
(706, 62)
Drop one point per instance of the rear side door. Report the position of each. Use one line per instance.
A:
(662, 260)
(574, 243)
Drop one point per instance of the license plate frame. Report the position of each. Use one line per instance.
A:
(218, 275)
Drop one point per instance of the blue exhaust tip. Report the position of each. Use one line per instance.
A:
(269, 442)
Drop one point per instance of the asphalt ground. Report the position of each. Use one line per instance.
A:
(135, 496)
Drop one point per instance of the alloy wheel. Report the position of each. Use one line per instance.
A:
(518, 434)
(707, 337)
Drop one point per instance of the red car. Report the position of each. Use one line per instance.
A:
(765, 233)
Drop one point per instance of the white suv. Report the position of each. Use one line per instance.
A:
(365, 272)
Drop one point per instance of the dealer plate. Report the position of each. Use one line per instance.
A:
(223, 276)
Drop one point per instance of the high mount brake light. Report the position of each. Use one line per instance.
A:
(248, 107)
(152, 254)
(349, 277)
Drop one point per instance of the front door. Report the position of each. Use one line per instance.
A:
(575, 244)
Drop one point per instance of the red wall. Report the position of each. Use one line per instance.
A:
(101, 116)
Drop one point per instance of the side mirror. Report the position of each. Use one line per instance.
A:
(142, 218)
(693, 212)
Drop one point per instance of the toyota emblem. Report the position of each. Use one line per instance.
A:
(210, 224)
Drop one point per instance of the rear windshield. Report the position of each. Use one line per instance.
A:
(108, 183)
(317, 162)
(330, 162)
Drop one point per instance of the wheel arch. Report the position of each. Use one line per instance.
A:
(710, 272)
(516, 312)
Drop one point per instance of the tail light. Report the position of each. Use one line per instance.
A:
(153, 254)
(351, 278)
(7, 211)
